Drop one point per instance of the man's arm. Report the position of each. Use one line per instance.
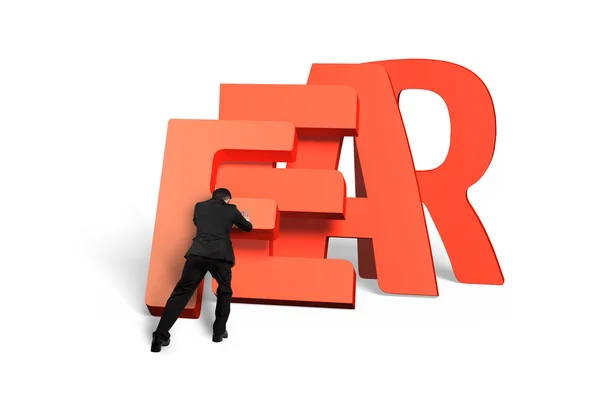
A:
(241, 222)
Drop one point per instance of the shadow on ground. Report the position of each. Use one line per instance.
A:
(346, 249)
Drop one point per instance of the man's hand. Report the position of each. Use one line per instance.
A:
(246, 215)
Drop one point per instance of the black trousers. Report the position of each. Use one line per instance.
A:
(194, 270)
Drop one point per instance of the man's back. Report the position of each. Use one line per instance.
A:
(214, 220)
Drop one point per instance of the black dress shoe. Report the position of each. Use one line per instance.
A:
(158, 342)
(219, 338)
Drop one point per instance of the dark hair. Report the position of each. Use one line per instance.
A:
(222, 194)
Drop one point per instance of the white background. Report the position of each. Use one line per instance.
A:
(86, 91)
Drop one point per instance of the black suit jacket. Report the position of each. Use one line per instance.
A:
(214, 219)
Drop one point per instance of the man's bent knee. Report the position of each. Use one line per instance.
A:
(183, 287)
(224, 291)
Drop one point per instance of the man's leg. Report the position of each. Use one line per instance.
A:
(193, 272)
(221, 271)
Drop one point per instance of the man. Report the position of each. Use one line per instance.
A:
(211, 251)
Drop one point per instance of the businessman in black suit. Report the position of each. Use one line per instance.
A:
(211, 251)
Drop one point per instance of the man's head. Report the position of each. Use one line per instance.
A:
(222, 194)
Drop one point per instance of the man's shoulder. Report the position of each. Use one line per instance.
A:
(215, 205)
(232, 207)
(203, 202)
